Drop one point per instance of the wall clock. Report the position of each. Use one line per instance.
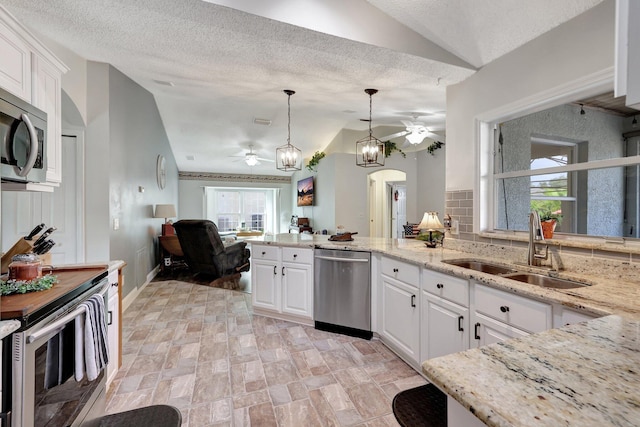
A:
(161, 172)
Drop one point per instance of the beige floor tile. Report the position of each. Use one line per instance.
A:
(201, 350)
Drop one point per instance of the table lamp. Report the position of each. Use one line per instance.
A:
(166, 211)
(431, 223)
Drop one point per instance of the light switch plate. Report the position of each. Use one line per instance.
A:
(116, 223)
(455, 227)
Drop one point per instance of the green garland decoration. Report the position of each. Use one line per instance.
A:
(390, 147)
(12, 286)
(315, 159)
(433, 147)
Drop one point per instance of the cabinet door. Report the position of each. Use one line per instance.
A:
(48, 98)
(15, 66)
(265, 280)
(488, 331)
(444, 327)
(297, 289)
(112, 332)
(401, 317)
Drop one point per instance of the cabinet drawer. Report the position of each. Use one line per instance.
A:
(448, 287)
(265, 252)
(297, 255)
(403, 271)
(523, 313)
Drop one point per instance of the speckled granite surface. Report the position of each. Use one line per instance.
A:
(7, 327)
(609, 293)
(579, 375)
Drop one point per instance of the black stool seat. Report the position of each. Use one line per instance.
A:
(423, 406)
(155, 415)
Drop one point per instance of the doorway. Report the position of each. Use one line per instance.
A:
(383, 209)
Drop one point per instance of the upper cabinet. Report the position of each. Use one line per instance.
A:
(29, 70)
(627, 74)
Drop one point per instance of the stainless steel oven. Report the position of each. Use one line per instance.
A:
(23, 131)
(36, 399)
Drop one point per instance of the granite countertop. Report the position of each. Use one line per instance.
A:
(7, 327)
(584, 375)
(605, 296)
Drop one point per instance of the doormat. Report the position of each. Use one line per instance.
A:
(240, 282)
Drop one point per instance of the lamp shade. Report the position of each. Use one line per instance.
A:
(165, 211)
(430, 222)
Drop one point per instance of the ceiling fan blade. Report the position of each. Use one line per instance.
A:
(265, 160)
(407, 123)
(435, 137)
(395, 135)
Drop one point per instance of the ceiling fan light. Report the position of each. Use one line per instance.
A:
(415, 138)
(251, 159)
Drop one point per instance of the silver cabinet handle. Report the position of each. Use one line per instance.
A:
(331, 258)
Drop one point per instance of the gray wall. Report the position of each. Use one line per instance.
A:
(125, 135)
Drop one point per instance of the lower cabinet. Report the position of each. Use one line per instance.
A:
(282, 282)
(113, 324)
(400, 325)
(488, 331)
(444, 327)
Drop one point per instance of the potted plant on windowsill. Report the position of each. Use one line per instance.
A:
(549, 222)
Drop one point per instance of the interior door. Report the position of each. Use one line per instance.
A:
(398, 199)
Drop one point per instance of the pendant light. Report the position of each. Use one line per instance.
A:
(288, 157)
(370, 150)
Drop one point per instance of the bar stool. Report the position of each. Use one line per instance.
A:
(424, 406)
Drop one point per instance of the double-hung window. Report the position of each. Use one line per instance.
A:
(235, 209)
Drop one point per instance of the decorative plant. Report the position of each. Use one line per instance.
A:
(434, 146)
(549, 216)
(13, 286)
(315, 159)
(390, 147)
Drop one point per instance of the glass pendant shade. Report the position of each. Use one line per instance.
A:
(370, 150)
(288, 157)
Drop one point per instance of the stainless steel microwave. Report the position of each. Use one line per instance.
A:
(23, 136)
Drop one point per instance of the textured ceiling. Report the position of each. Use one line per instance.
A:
(230, 65)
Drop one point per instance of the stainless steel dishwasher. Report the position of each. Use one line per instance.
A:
(342, 292)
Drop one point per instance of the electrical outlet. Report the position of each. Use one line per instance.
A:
(455, 227)
(116, 223)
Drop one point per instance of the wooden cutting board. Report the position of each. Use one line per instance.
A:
(19, 306)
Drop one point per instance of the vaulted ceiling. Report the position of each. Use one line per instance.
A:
(215, 66)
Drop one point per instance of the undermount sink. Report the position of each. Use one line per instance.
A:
(545, 281)
(482, 266)
(513, 274)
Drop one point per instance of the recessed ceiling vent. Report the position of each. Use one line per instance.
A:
(164, 83)
(264, 122)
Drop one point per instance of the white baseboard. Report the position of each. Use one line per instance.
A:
(131, 296)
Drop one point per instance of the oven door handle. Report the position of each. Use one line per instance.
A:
(57, 325)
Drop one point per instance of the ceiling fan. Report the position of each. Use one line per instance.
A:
(252, 159)
(415, 132)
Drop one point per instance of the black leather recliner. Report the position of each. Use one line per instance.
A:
(205, 252)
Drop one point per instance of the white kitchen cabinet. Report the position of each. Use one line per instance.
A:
(29, 70)
(15, 67)
(569, 317)
(400, 311)
(282, 281)
(444, 327)
(444, 321)
(113, 324)
(486, 330)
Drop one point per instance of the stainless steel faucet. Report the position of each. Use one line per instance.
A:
(535, 235)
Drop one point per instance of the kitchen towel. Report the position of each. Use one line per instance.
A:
(59, 357)
(95, 342)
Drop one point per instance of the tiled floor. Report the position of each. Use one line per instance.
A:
(201, 350)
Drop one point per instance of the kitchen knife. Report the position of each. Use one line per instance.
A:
(36, 230)
(45, 247)
(37, 247)
(44, 235)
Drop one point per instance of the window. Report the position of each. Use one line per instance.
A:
(582, 168)
(242, 208)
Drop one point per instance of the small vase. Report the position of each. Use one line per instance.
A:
(548, 227)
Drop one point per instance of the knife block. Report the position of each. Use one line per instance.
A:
(22, 246)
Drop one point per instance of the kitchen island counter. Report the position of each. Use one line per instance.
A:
(579, 375)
